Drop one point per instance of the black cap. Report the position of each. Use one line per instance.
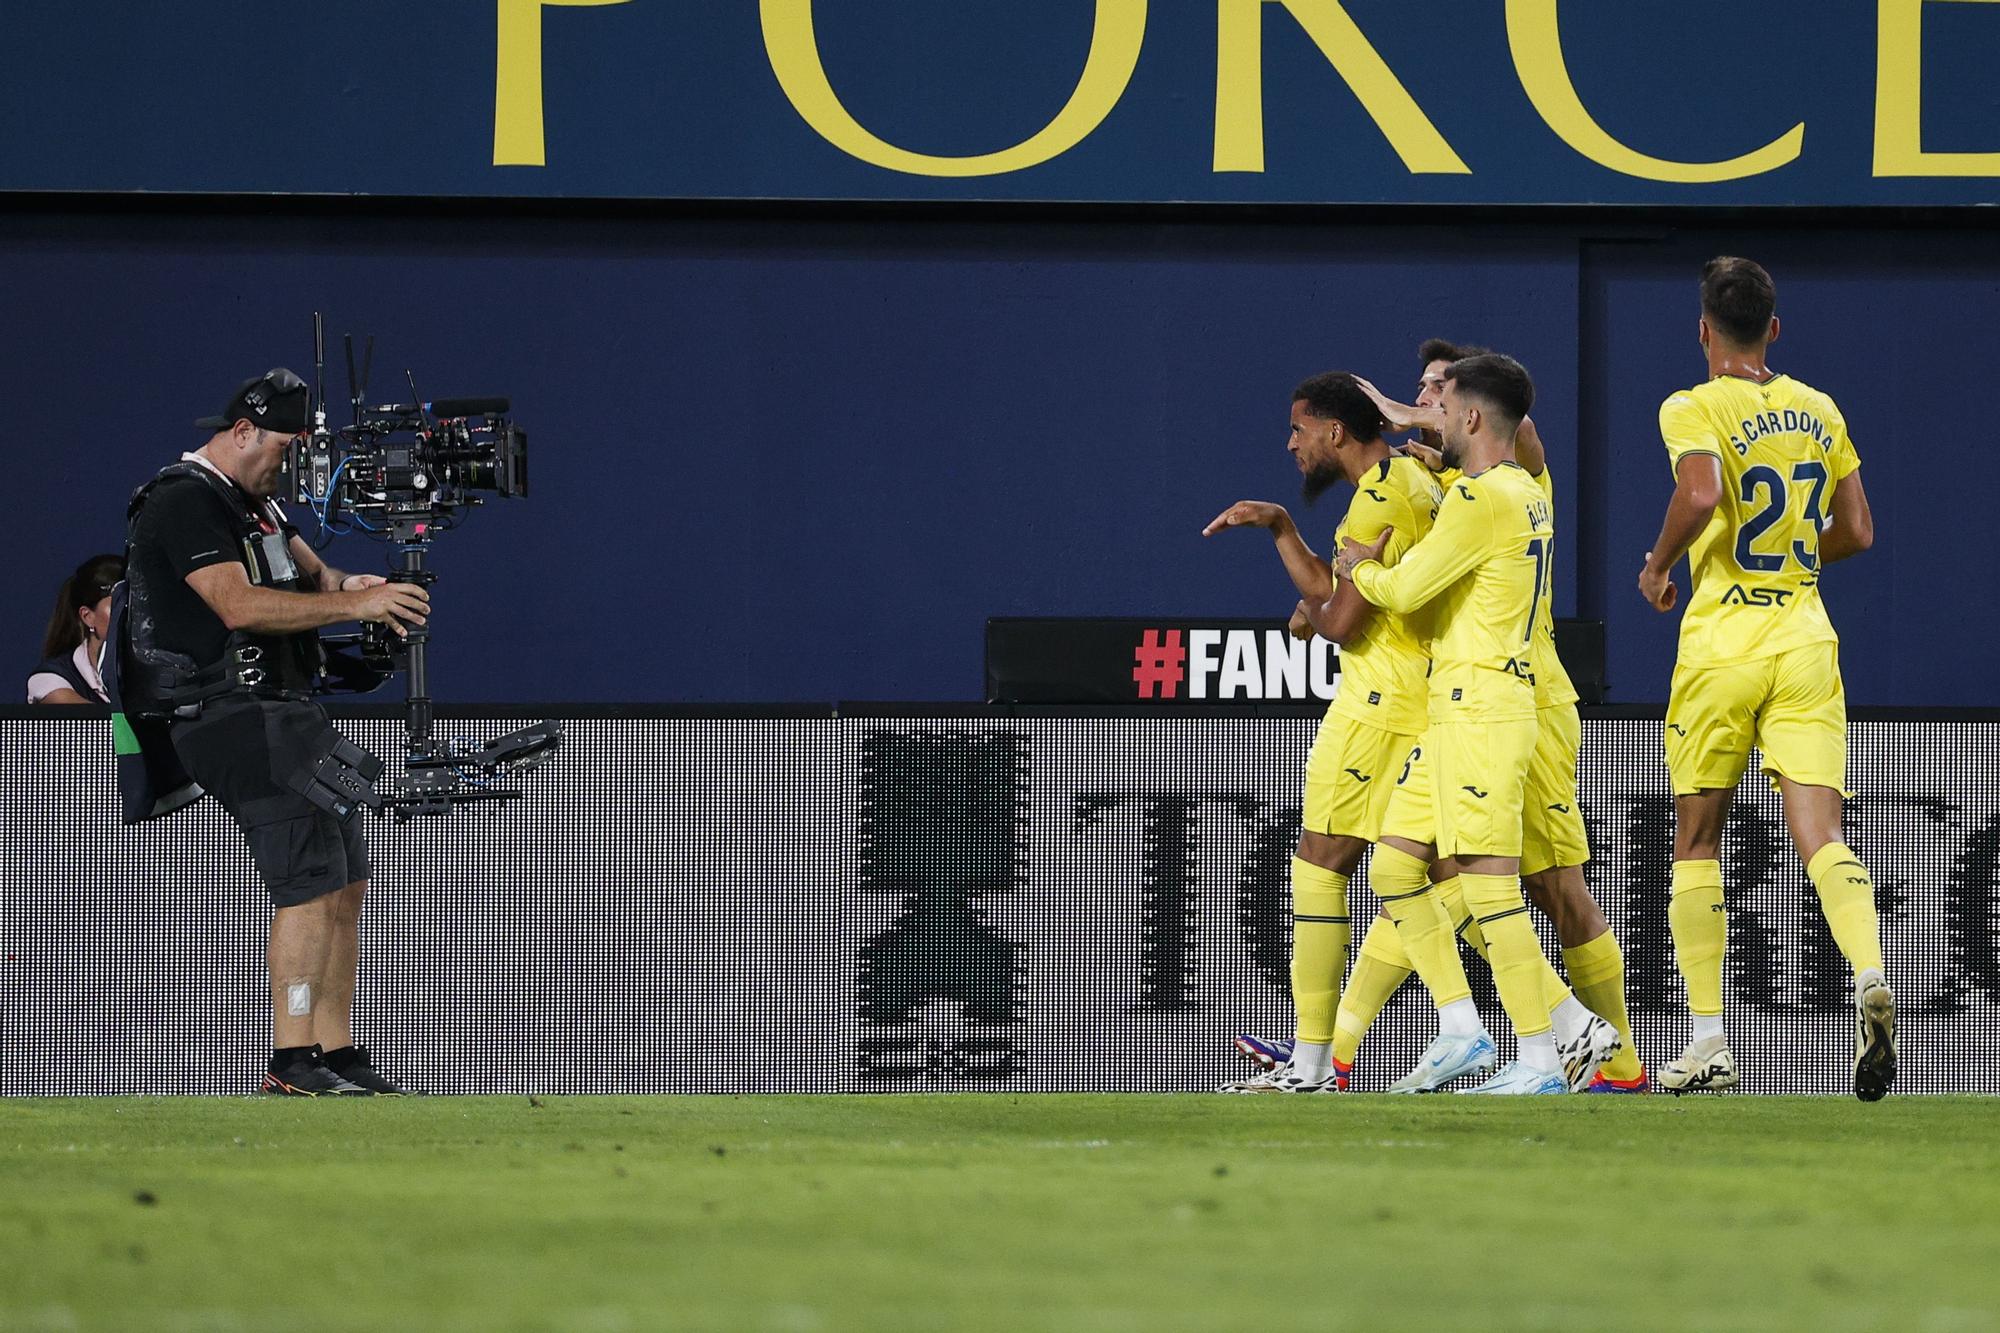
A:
(274, 401)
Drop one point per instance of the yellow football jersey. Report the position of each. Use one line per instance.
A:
(1783, 447)
(1382, 668)
(1484, 563)
(1553, 687)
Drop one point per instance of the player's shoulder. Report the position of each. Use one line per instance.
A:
(1817, 401)
(1390, 485)
(1695, 400)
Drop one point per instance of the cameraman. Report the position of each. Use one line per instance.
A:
(224, 599)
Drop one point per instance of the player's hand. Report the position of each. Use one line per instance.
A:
(1250, 514)
(1657, 587)
(1301, 626)
(1395, 413)
(1423, 453)
(1353, 553)
(400, 606)
(356, 582)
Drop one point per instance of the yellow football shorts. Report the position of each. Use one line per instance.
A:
(1790, 705)
(1480, 774)
(1349, 774)
(1411, 815)
(1552, 831)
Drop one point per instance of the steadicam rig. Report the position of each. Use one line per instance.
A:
(402, 473)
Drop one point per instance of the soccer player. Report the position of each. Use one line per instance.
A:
(1484, 564)
(1555, 843)
(1378, 714)
(1766, 493)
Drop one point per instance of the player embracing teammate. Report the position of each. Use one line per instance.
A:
(1767, 492)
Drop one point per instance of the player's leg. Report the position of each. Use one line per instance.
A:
(1803, 733)
(1321, 934)
(1381, 966)
(1401, 876)
(1595, 963)
(1481, 772)
(1711, 722)
(1554, 847)
(1346, 792)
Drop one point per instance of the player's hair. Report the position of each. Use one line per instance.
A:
(1334, 396)
(1438, 349)
(87, 586)
(1738, 297)
(1500, 382)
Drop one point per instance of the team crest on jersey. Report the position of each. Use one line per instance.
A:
(1742, 596)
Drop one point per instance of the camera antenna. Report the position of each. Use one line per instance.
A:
(319, 372)
(417, 398)
(353, 388)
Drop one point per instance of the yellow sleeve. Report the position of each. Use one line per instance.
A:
(1462, 537)
(1841, 458)
(1685, 429)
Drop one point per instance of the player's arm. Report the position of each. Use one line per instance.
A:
(1342, 616)
(1697, 491)
(1852, 529)
(1402, 416)
(1696, 453)
(1309, 574)
(1462, 538)
(1528, 450)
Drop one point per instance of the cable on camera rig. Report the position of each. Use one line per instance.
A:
(403, 473)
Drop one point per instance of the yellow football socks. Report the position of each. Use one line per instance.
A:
(1320, 936)
(1597, 971)
(1403, 884)
(1847, 896)
(1515, 953)
(1451, 897)
(1701, 932)
(1380, 968)
(1452, 894)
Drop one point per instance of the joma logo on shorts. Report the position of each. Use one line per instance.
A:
(1743, 596)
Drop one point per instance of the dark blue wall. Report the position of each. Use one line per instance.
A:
(806, 459)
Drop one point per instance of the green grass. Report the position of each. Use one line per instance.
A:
(1122, 1212)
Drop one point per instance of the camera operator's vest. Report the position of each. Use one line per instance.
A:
(158, 682)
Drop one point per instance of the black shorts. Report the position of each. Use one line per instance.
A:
(243, 751)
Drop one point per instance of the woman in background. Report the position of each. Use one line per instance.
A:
(74, 644)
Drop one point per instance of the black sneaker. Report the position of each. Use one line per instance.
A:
(354, 1065)
(308, 1077)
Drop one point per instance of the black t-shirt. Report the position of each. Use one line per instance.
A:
(185, 525)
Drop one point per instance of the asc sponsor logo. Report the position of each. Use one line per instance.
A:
(1742, 596)
(1224, 665)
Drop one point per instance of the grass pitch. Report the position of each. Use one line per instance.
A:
(1089, 1212)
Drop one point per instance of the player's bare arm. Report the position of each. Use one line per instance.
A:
(1528, 450)
(1342, 616)
(1697, 491)
(1300, 626)
(1852, 530)
(1403, 416)
(1309, 573)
